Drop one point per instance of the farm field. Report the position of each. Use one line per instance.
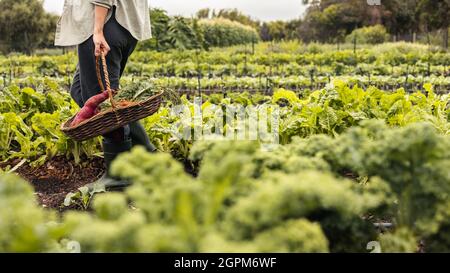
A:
(360, 153)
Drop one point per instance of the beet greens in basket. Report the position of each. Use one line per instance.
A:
(133, 92)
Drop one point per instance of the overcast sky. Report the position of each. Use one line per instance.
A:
(266, 10)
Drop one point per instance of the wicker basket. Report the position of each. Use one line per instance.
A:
(113, 118)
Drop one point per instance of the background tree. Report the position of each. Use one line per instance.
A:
(181, 35)
(434, 14)
(48, 38)
(237, 16)
(328, 20)
(203, 13)
(401, 17)
(277, 30)
(199, 40)
(160, 27)
(264, 32)
(24, 25)
(292, 29)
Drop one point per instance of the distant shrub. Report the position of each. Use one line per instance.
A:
(222, 32)
(369, 35)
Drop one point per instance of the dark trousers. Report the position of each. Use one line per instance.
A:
(85, 83)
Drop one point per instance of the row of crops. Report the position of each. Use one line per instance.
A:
(392, 65)
(242, 65)
(355, 163)
(299, 84)
(30, 119)
(394, 54)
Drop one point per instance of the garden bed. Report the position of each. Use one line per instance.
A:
(55, 179)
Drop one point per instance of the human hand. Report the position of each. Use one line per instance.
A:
(100, 44)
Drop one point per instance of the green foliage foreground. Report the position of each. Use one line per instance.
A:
(246, 199)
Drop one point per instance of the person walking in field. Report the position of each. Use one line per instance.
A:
(113, 27)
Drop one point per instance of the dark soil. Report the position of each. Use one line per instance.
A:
(58, 177)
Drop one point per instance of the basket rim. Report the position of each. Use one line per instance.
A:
(65, 127)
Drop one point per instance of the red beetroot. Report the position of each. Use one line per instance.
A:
(90, 108)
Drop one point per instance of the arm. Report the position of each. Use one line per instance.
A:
(99, 38)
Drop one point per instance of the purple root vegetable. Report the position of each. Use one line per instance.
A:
(90, 108)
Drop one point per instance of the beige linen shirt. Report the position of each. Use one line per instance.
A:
(76, 24)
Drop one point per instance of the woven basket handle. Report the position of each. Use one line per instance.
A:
(106, 74)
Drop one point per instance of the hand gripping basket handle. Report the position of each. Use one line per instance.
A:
(106, 74)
